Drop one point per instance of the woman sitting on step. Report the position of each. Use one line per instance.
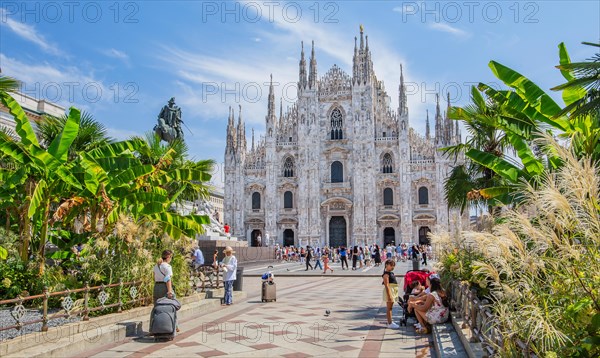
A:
(433, 310)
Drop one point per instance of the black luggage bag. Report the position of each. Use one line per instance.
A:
(163, 319)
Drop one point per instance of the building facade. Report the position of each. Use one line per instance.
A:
(34, 109)
(340, 167)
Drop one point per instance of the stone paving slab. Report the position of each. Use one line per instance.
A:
(296, 325)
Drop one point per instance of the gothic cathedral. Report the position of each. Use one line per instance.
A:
(340, 167)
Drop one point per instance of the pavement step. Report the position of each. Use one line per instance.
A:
(447, 342)
(472, 349)
(78, 340)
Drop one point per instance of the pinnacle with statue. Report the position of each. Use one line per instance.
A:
(169, 126)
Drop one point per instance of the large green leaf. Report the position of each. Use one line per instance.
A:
(176, 226)
(117, 163)
(115, 149)
(532, 165)
(23, 126)
(93, 175)
(146, 203)
(570, 94)
(189, 175)
(38, 197)
(497, 164)
(525, 88)
(3, 253)
(502, 194)
(59, 148)
(16, 152)
(521, 108)
(131, 174)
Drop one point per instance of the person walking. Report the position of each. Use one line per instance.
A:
(318, 256)
(326, 262)
(229, 266)
(226, 228)
(308, 258)
(424, 255)
(415, 253)
(390, 290)
(355, 256)
(377, 254)
(361, 256)
(344, 257)
(163, 277)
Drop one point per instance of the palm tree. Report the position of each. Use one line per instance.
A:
(174, 155)
(465, 184)
(8, 84)
(92, 134)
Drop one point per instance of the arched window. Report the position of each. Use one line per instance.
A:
(388, 196)
(337, 172)
(288, 200)
(336, 124)
(288, 168)
(255, 200)
(423, 195)
(386, 164)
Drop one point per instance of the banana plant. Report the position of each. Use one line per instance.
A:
(43, 171)
(528, 114)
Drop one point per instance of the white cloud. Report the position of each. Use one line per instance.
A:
(64, 85)
(257, 39)
(449, 29)
(119, 55)
(28, 33)
(408, 8)
(122, 134)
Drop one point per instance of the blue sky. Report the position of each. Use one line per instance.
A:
(122, 61)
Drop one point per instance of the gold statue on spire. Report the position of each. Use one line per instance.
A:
(361, 28)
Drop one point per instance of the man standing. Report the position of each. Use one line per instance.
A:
(308, 258)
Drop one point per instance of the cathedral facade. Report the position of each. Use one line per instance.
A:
(339, 167)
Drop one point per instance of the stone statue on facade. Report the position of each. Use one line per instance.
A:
(169, 122)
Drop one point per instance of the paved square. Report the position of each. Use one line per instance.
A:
(296, 325)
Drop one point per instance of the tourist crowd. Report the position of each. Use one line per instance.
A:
(359, 256)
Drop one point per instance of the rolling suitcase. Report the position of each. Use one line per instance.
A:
(269, 291)
(163, 319)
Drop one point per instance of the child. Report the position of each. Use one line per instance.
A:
(390, 290)
(326, 262)
(416, 288)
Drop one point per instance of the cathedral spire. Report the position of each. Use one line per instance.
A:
(427, 131)
(449, 127)
(241, 131)
(281, 109)
(271, 106)
(439, 125)
(362, 42)
(402, 107)
(355, 64)
(252, 139)
(457, 139)
(302, 74)
(367, 63)
(312, 76)
(231, 142)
